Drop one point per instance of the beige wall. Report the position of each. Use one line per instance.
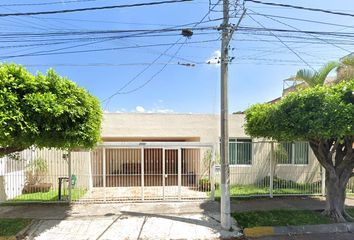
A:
(173, 127)
(261, 168)
(177, 127)
(203, 128)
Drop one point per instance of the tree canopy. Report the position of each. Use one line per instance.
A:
(323, 116)
(320, 112)
(45, 110)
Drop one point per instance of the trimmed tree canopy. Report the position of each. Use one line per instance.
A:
(45, 111)
(314, 113)
(323, 116)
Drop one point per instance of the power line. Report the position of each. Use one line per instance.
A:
(45, 3)
(255, 29)
(302, 8)
(153, 76)
(91, 8)
(15, 35)
(278, 21)
(172, 57)
(101, 49)
(110, 64)
(95, 32)
(286, 45)
(137, 75)
(185, 64)
(305, 20)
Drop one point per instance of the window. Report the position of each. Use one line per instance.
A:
(292, 153)
(240, 151)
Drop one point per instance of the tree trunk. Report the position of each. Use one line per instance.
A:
(338, 160)
(335, 207)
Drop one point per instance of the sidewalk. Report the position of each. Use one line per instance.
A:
(179, 220)
(158, 220)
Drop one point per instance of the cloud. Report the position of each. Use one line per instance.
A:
(215, 58)
(139, 109)
(156, 109)
(164, 110)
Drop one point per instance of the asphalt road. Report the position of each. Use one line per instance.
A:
(322, 236)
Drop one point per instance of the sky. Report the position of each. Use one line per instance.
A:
(256, 74)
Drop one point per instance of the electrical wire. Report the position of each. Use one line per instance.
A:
(101, 49)
(45, 3)
(301, 8)
(172, 57)
(304, 20)
(286, 45)
(92, 8)
(288, 25)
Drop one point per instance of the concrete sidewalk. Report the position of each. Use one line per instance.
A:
(157, 220)
(179, 220)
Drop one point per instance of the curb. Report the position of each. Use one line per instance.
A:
(23, 233)
(303, 229)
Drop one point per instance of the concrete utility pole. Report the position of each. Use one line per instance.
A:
(224, 118)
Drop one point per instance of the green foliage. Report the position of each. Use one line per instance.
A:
(316, 78)
(51, 196)
(320, 112)
(45, 111)
(280, 218)
(280, 186)
(10, 227)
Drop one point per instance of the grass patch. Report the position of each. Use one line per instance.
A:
(50, 196)
(10, 227)
(244, 190)
(249, 190)
(350, 211)
(280, 218)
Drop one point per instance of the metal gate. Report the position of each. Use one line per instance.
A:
(150, 171)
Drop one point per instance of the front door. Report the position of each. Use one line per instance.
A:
(162, 174)
(172, 174)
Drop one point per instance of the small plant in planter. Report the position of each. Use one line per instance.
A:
(35, 173)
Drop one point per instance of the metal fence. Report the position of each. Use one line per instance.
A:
(42, 175)
(117, 172)
(273, 169)
(113, 172)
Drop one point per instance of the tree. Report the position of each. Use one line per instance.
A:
(45, 111)
(345, 70)
(323, 116)
(315, 78)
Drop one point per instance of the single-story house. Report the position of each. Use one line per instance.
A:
(169, 154)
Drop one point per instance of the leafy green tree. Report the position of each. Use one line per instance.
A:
(323, 116)
(45, 111)
(315, 78)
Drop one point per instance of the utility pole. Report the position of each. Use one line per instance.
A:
(227, 32)
(224, 119)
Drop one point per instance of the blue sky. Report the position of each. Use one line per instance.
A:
(256, 74)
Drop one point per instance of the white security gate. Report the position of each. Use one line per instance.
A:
(150, 171)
